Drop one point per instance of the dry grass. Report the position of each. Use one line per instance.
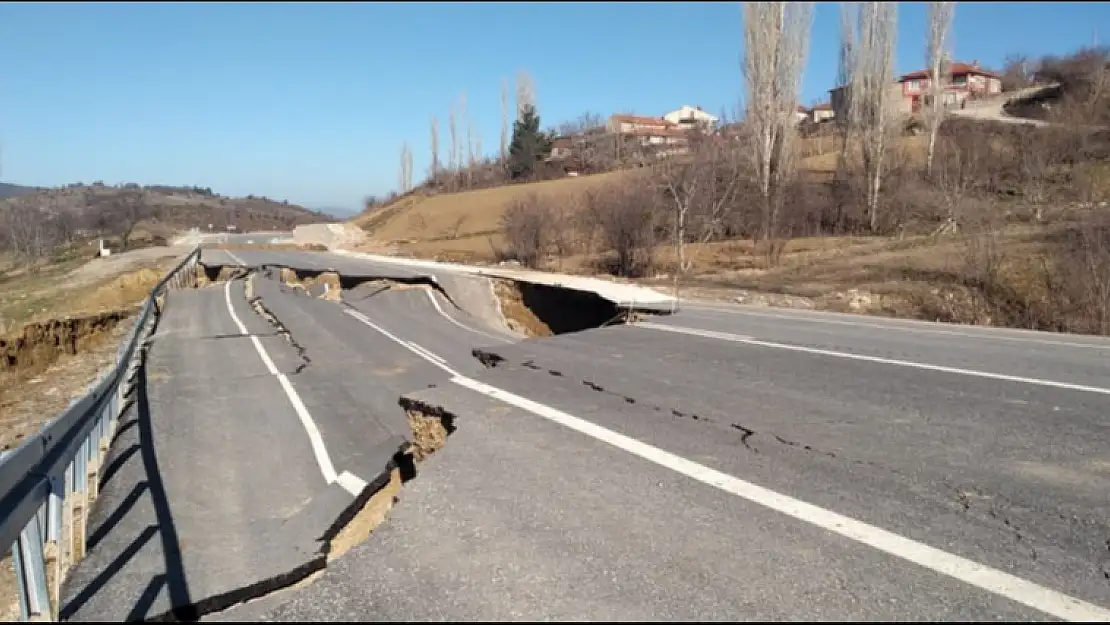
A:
(471, 214)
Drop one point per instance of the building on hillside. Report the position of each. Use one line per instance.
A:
(821, 113)
(967, 81)
(690, 117)
(800, 114)
(624, 124)
(561, 148)
(839, 99)
(664, 136)
(910, 92)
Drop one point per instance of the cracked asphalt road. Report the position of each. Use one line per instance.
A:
(521, 517)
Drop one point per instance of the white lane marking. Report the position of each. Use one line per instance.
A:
(985, 334)
(736, 338)
(412, 347)
(351, 483)
(426, 353)
(314, 437)
(991, 580)
(235, 258)
(981, 576)
(435, 302)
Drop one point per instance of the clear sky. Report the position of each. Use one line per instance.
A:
(311, 102)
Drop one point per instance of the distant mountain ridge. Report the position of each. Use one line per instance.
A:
(8, 190)
(163, 208)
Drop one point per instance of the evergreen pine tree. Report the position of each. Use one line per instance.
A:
(529, 144)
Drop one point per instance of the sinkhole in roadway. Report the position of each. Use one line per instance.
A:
(534, 310)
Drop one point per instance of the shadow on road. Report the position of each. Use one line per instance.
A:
(124, 468)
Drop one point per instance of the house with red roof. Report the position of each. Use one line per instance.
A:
(910, 92)
(966, 81)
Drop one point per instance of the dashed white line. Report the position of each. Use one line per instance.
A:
(736, 338)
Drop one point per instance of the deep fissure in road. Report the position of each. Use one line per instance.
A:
(547, 311)
(430, 427)
(532, 310)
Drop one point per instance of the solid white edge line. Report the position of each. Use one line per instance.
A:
(983, 577)
(876, 359)
(351, 483)
(235, 258)
(314, 437)
(427, 353)
(903, 325)
(1027, 593)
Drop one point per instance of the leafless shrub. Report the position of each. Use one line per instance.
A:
(528, 224)
(1082, 264)
(700, 187)
(628, 221)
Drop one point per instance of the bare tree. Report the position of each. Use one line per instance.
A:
(405, 176)
(845, 64)
(940, 22)
(776, 36)
(872, 94)
(525, 93)
(702, 187)
(504, 147)
(459, 158)
(123, 212)
(452, 164)
(435, 149)
(26, 231)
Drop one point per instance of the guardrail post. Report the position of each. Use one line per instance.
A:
(53, 551)
(65, 537)
(92, 468)
(30, 572)
(80, 502)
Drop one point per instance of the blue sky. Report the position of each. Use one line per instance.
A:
(311, 102)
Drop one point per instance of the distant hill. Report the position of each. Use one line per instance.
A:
(340, 213)
(160, 209)
(8, 190)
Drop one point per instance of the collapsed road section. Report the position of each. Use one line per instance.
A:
(213, 496)
(525, 308)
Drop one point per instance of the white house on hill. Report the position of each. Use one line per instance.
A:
(691, 116)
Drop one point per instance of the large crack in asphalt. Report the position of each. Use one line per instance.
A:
(992, 510)
(430, 427)
(259, 307)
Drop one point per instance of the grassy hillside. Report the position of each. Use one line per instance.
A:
(464, 226)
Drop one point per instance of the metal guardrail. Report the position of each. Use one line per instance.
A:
(47, 485)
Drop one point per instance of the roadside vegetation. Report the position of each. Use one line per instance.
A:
(932, 216)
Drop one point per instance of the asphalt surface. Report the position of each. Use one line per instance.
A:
(660, 471)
